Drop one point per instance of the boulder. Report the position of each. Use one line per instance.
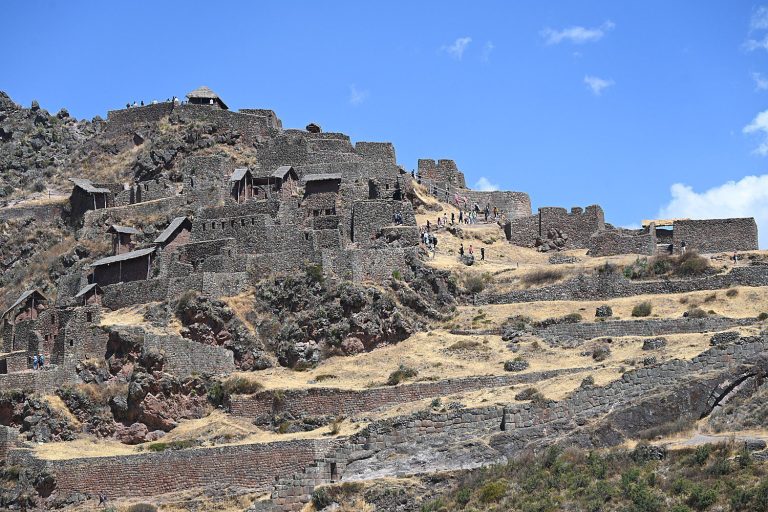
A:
(603, 311)
(516, 365)
(654, 343)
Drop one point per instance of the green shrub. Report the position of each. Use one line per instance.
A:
(572, 318)
(321, 499)
(701, 454)
(762, 316)
(241, 386)
(325, 376)
(463, 496)
(493, 492)
(697, 313)
(691, 264)
(396, 275)
(642, 309)
(401, 374)
(172, 445)
(701, 498)
(473, 283)
(314, 273)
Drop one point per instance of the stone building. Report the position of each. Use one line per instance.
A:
(87, 196)
(122, 241)
(281, 183)
(90, 295)
(130, 266)
(241, 185)
(321, 194)
(177, 233)
(204, 96)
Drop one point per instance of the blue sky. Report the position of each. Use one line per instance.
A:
(644, 107)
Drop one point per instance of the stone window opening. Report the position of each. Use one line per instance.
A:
(253, 221)
(71, 343)
(306, 236)
(232, 223)
(222, 224)
(89, 317)
(328, 211)
(191, 182)
(242, 222)
(146, 186)
(203, 226)
(315, 213)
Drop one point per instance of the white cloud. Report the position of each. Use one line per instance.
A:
(487, 49)
(485, 185)
(759, 124)
(577, 35)
(759, 19)
(456, 50)
(761, 83)
(747, 197)
(756, 44)
(597, 84)
(357, 96)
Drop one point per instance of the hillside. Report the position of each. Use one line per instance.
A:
(234, 315)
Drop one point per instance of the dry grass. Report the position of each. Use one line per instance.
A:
(749, 302)
(57, 406)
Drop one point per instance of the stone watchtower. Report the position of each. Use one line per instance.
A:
(204, 96)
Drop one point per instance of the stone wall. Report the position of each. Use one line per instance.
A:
(572, 334)
(611, 242)
(512, 204)
(47, 212)
(715, 235)
(442, 172)
(344, 402)
(125, 120)
(596, 287)
(579, 224)
(184, 357)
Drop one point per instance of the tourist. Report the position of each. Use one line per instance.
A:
(682, 247)
(487, 212)
(428, 226)
(142, 103)
(41, 359)
(34, 362)
(453, 218)
(445, 219)
(127, 105)
(434, 242)
(472, 252)
(735, 258)
(495, 213)
(461, 216)
(482, 253)
(461, 250)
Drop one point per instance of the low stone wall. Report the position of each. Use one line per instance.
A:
(41, 212)
(598, 287)
(715, 235)
(117, 296)
(565, 334)
(338, 402)
(38, 381)
(184, 357)
(252, 466)
(611, 242)
(512, 204)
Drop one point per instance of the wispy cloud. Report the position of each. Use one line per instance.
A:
(457, 48)
(577, 34)
(487, 49)
(759, 125)
(759, 20)
(758, 23)
(485, 185)
(747, 197)
(357, 96)
(597, 84)
(761, 82)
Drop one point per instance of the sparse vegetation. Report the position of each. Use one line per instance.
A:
(542, 276)
(401, 374)
(643, 309)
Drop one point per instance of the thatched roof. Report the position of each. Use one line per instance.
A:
(322, 177)
(126, 230)
(204, 93)
(87, 289)
(170, 230)
(123, 257)
(88, 187)
(239, 174)
(22, 298)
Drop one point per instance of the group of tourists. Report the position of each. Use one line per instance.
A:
(38, 361)
(430, 241)
(471, 251)
(174, 99)
(397, 218)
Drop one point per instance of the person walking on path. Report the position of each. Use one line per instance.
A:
(461, 250)
(471, 251)
(482, 253)
(34, 362)
(41, 359)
